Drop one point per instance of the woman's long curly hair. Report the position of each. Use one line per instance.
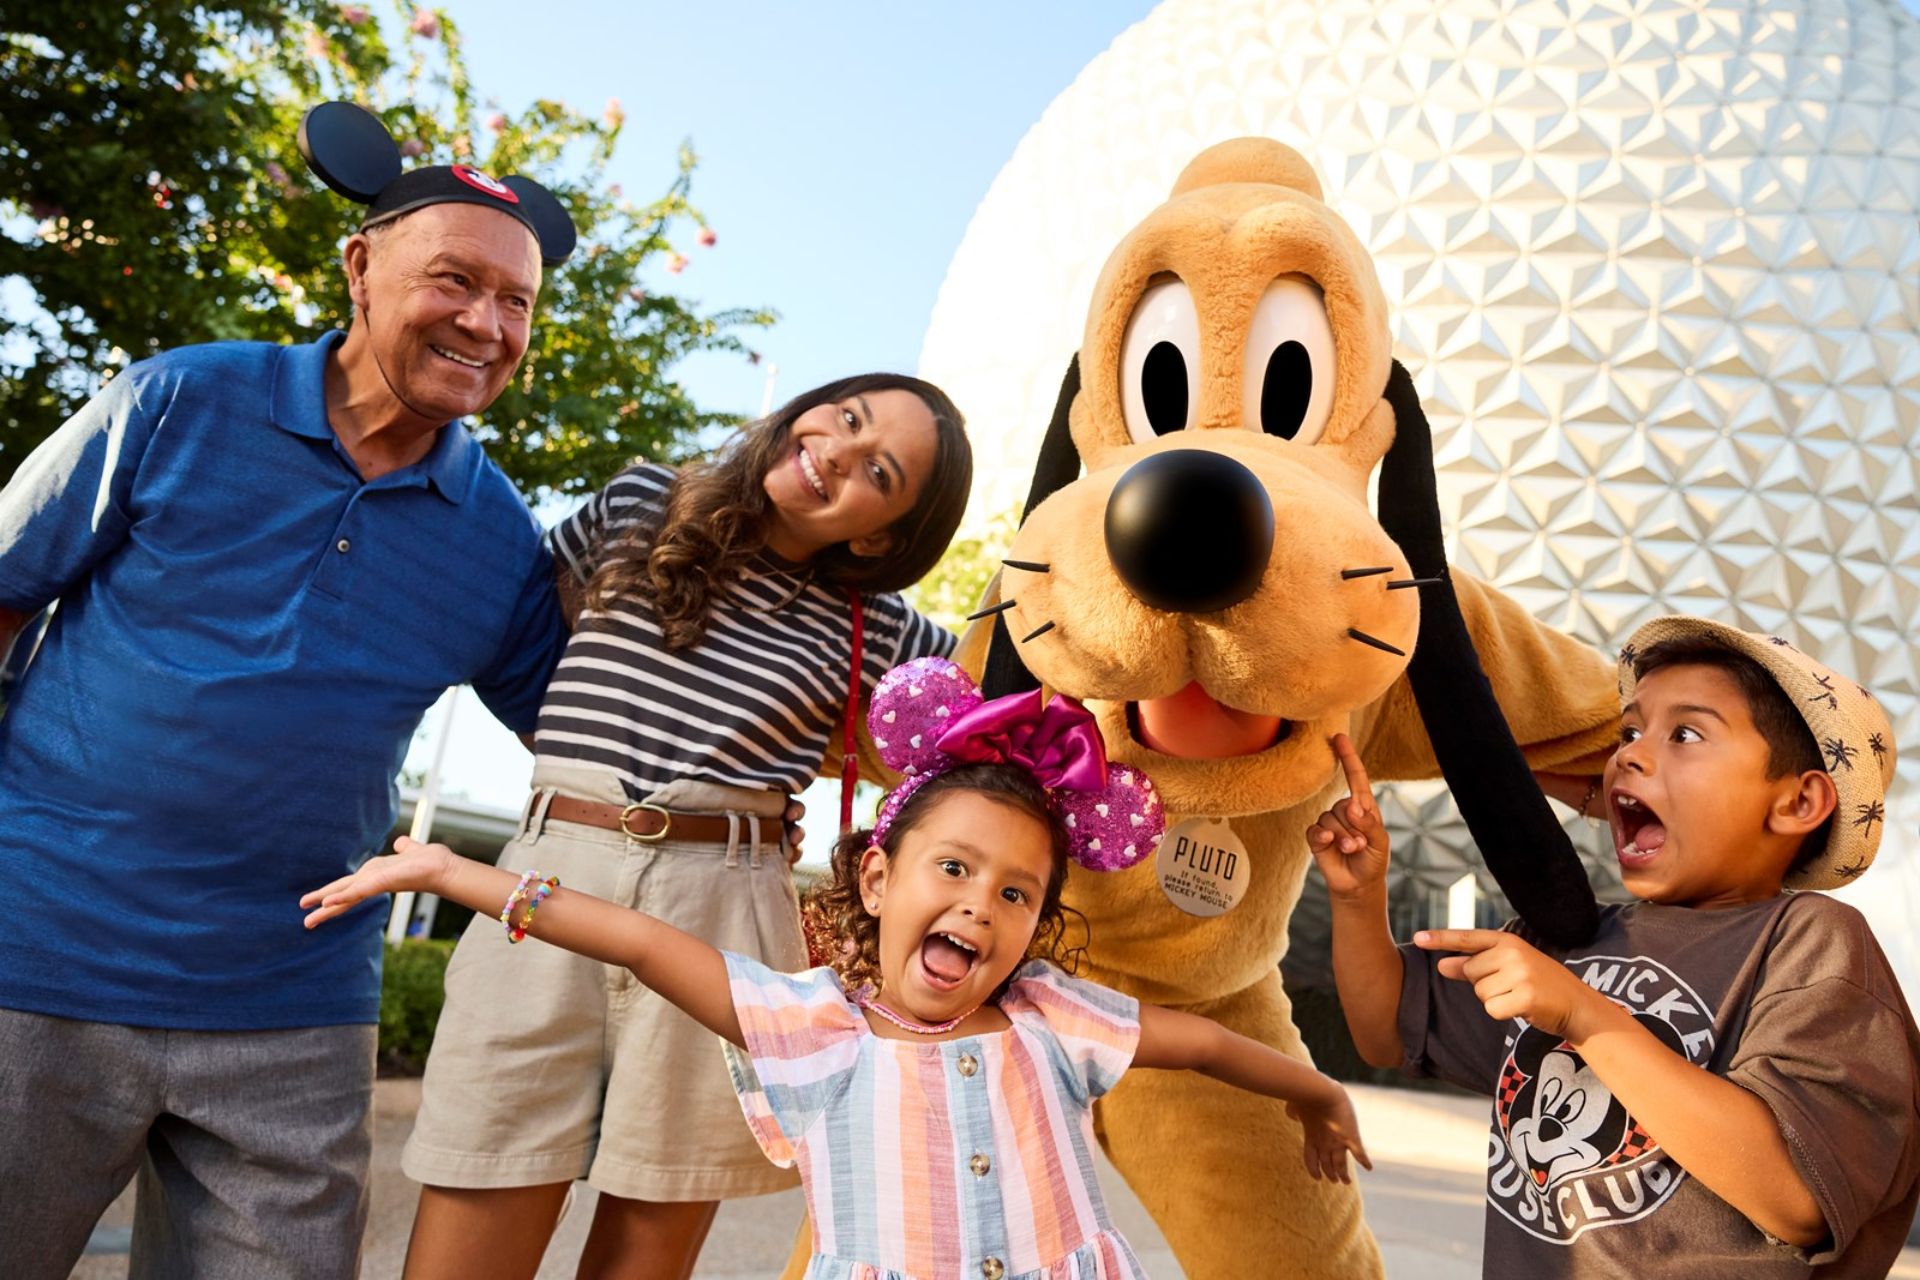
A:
(836, 912)
(716, 518)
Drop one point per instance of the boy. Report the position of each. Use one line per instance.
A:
(1724, 1081)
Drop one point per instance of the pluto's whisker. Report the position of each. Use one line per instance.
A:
(1364, 638)
(1401, 584)
(1037, 632)
(990, 610)
(1348, 574)
(1028, 565)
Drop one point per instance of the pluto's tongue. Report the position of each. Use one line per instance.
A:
(1191, 725)
(1650, 837)
(944, 960)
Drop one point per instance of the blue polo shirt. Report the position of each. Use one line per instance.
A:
(247, 636)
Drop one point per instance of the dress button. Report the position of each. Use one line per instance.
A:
(343, 546)
(968, 1064)
(993, 1269)
(979, 1164)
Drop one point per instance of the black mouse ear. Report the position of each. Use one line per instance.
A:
(1531, 1047)
(349, 149)
(1057, 467)
(551, 225)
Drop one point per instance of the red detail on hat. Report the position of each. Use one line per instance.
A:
(481, 182)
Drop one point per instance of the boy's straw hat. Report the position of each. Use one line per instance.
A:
(1848, 723)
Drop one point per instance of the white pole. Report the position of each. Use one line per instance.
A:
(423, 808)
(1462, 896)
(766, 392)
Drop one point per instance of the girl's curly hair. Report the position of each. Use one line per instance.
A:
(836, 914)
(717, 515)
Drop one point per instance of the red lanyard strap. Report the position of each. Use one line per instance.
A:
(849, 756)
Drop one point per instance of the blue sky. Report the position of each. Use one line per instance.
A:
(844, 147)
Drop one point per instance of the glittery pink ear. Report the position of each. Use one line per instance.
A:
(1116, 826)
(911, 706)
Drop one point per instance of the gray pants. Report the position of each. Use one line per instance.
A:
(251, 1147)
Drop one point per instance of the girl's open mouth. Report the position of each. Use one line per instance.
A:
(1638, 833)
(946, 960)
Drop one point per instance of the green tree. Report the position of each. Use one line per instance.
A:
(152, 195)
(953, 589)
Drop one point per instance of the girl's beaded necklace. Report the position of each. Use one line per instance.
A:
(864, 998)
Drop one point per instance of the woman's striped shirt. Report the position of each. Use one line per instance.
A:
(753, 704)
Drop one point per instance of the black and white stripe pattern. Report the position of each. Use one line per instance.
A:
(754, 704)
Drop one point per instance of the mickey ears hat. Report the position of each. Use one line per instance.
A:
(351, 151)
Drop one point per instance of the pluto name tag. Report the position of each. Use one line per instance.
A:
(1203, 867)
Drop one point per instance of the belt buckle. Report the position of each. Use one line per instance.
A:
(666, 823)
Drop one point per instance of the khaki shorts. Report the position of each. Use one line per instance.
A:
(548, 1067)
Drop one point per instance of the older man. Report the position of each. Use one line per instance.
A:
(269, 561)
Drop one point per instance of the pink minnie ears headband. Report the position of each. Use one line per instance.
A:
(928, 717)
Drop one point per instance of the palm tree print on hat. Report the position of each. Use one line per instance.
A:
(1826, 684)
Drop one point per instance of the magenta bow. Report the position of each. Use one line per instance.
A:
(927, 716)
(1059, 744)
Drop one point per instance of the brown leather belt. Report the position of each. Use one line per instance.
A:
(651, 823)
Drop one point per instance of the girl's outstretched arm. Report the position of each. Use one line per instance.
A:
(1172, 1040)
(687, 971)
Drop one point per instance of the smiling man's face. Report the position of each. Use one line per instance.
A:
(446, 295)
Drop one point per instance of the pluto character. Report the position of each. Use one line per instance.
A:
(1199, 564)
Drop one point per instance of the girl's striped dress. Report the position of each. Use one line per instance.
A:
(935, 1161)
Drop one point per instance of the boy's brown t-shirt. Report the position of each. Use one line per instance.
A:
(1790, 998)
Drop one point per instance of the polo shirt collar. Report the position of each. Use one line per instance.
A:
(450, 464)
(300, 406)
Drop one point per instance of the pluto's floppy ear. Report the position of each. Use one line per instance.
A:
(1520, 840)
(1058, 467)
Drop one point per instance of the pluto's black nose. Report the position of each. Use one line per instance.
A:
(1189, 531)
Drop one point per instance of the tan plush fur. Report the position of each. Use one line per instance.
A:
(1220, 1169)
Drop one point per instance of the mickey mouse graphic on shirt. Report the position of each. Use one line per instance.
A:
(1567, 1156)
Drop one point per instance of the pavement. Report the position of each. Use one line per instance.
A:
(1423, 1200)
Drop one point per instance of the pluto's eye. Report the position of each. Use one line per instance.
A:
(1160, 362)
(1289, 369)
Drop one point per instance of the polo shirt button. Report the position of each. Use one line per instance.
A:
(343, 546)
(993, 1269)
(979, 1164)
(968, 1064)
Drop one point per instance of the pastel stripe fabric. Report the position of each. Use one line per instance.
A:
(928, 1161)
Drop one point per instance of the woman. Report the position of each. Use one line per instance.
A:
(710, 666)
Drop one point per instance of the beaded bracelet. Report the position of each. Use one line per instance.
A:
(514, 899)
(540, 892)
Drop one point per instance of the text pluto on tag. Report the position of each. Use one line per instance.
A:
(1206, 857)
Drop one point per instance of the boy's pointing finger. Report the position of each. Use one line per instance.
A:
(1357, 784)
(1468, 940)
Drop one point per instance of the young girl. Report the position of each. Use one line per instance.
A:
(936, 1085)
(709, 669)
